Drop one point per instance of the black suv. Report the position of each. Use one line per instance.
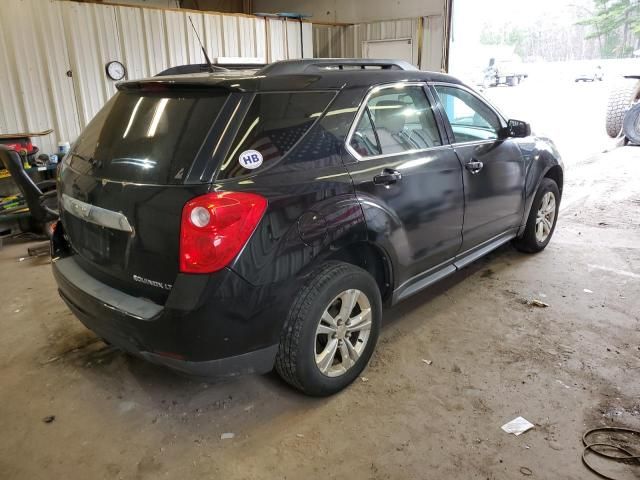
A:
(231, 222)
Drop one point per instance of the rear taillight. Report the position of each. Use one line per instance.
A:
(215, 227)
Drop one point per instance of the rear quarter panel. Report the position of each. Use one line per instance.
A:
(313, 210)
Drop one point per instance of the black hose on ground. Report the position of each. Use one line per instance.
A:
(628, 456)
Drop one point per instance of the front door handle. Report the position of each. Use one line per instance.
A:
(474, 166)
(387, 177)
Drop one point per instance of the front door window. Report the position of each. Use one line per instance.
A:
(470, 118)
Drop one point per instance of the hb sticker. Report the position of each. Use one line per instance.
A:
(250, 159)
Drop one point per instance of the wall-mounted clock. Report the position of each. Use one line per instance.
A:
(115, 70)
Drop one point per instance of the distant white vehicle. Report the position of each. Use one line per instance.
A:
(591, 76)
(504, 72)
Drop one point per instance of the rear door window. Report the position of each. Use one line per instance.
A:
(273, 125)
(364, 139)
(396, 120)
(145, 137)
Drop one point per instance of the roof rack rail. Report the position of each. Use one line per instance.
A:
(190, 68)
(205, 68)
(291, 67)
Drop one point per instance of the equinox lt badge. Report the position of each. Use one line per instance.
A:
(153, 283)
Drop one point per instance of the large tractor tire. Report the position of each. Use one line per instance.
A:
(620, 100)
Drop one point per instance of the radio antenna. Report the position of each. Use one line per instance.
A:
(206, 57)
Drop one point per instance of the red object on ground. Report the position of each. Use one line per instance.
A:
(19, 143)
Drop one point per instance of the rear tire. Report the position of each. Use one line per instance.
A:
(620, 101)
(631, 125)
(531, 240)
(307, 338)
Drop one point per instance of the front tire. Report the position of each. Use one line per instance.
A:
(542, 219)
(331, 329)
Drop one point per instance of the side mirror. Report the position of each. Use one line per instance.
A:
(517, 129)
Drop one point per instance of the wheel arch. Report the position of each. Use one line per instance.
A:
(547, 165)
(371, 258)
(556, 174)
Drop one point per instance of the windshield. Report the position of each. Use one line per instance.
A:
(146, 137)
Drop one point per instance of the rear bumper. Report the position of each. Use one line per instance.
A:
(251, 362)
(209, 326)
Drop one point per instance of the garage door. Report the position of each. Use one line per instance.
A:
(396, 49)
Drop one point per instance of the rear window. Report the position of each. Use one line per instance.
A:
(272, 126)
(146, 137)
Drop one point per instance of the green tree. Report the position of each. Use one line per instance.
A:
(506, 35)
(615, 24)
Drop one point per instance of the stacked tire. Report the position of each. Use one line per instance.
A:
(623, 95)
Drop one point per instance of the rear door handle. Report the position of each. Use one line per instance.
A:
(474, 166)
(387, 177)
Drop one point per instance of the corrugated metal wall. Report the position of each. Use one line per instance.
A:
(433, 43)
(42, 40)
(331, 41)
(387, 30)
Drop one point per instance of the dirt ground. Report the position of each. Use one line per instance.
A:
(566, 368)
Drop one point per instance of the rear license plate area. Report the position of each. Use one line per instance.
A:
(101, 245)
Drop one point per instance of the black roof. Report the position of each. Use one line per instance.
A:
(308, 74)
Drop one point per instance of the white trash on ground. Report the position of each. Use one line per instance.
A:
(517, 426)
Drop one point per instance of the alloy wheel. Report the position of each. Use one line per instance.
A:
(343, 332)
(546, 216)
